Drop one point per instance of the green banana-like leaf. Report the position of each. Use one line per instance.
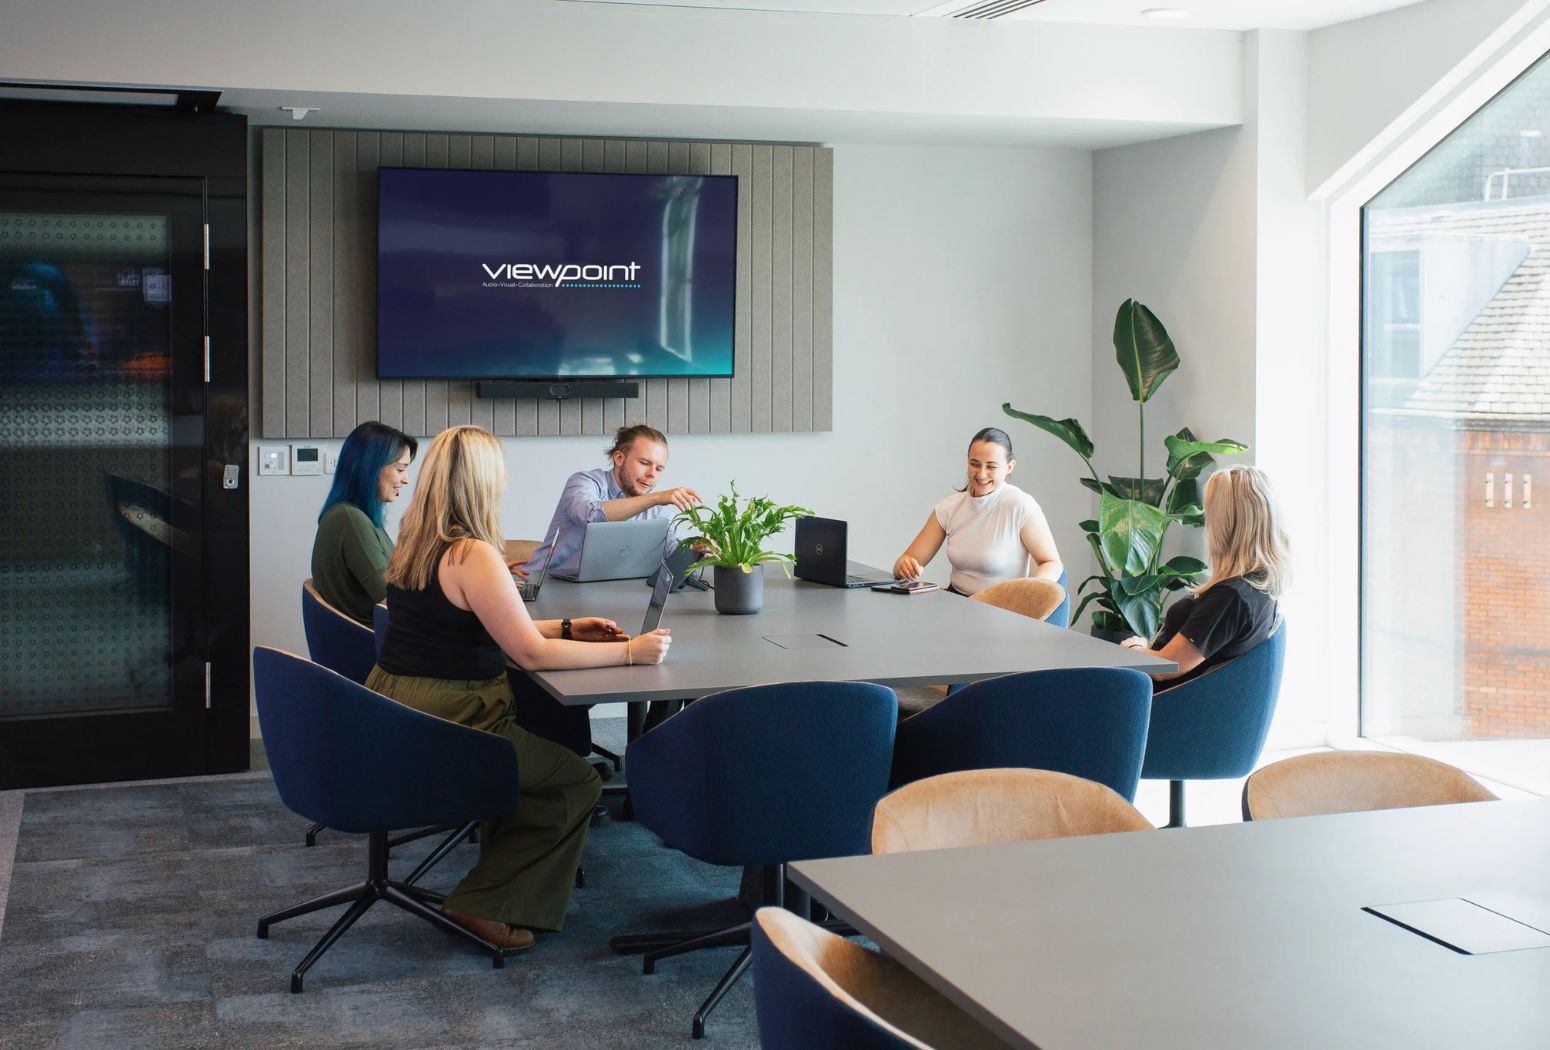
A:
(1097, 486)
(1103, 601)
(1183, 495)
(1137, 586)
(1130, 532)
(1184, 565)
(1090, 525)
(1067, 430)
(1182, 450)
(1144, 349)
(1190, 515)
(1147, 491)
(1190, 468)
(1142, 612)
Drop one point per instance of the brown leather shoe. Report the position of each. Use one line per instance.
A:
(507, 938)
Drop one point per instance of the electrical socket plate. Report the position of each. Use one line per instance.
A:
(274, 459)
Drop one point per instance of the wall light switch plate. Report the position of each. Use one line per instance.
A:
(330, 461)
(306, 460)
(274, 459)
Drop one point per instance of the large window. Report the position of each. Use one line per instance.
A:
(1456, 436)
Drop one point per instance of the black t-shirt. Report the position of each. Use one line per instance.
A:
(1228, 620)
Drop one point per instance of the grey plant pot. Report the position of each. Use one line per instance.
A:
(738, 592)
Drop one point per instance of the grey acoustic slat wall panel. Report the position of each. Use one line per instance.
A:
(272, 267)
(802, 288)
(318, 330)
(390, 393)
(742, 348)
(763, 209)
(823, 290)
(363, 282)
(481, 157)
(780, 290)
(320, 304)
(347, 332)
(414, 390)
(298, 207)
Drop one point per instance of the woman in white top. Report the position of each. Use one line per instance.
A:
(992, 528)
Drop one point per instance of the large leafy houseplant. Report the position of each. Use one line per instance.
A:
(1134, 514)
(732, 536)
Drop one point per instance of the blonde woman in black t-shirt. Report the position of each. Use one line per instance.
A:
(455, 619)
(1236, 608)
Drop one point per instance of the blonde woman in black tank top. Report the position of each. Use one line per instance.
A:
(455, 619)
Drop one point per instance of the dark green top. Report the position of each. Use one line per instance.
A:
(349, 557)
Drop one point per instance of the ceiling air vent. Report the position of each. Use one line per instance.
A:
(986, 9)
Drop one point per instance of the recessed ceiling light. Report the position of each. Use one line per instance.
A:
(1167, 12)
(1531, 133)
(299, 112)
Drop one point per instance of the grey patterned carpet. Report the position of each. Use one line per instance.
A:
(130, 923)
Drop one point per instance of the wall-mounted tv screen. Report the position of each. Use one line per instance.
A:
(548, 275)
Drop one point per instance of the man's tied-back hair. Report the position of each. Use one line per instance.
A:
(624, 437)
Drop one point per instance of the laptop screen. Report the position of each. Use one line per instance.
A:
(658, 600)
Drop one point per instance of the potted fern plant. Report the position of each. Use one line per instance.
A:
(731, 538)
(1134, 514)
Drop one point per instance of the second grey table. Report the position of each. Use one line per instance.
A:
(1243, 935)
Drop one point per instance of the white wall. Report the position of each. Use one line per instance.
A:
(1214, 232)
(1365, 73)
(961, 280)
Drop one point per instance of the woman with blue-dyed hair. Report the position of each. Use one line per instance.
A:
(351, 550)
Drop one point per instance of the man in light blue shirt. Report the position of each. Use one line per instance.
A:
(618, 492)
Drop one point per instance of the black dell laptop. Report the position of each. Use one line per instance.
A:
(820, 554)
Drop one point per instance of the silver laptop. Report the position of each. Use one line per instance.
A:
(529, 587)
(622, 550)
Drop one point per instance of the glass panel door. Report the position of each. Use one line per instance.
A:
(101, 479)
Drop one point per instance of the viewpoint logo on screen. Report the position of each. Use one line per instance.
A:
(562, 275)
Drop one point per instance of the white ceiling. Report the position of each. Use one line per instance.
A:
(1237, 15)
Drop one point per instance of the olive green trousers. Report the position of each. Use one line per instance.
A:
(527, 858)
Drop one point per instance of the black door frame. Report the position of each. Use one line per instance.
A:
(74, 143)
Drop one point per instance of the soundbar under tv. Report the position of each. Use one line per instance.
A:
(550, 276)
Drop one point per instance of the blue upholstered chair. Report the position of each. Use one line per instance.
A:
(763, 776)
(1061, 617)
(814, 990)
(336, 642)
(1089, 722)
(351, 759)
(1214, 727)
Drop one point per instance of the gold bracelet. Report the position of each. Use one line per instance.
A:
(629, 657)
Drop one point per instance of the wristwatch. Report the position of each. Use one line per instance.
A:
(565, 627)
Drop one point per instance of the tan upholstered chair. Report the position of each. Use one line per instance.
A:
(807, 978)
(521, 550)
(1353, 782)
(981, 806)
(1029, 596)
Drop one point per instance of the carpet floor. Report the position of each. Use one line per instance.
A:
(131, 913)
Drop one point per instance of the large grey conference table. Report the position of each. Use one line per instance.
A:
(810, 632)
(1238, 936)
